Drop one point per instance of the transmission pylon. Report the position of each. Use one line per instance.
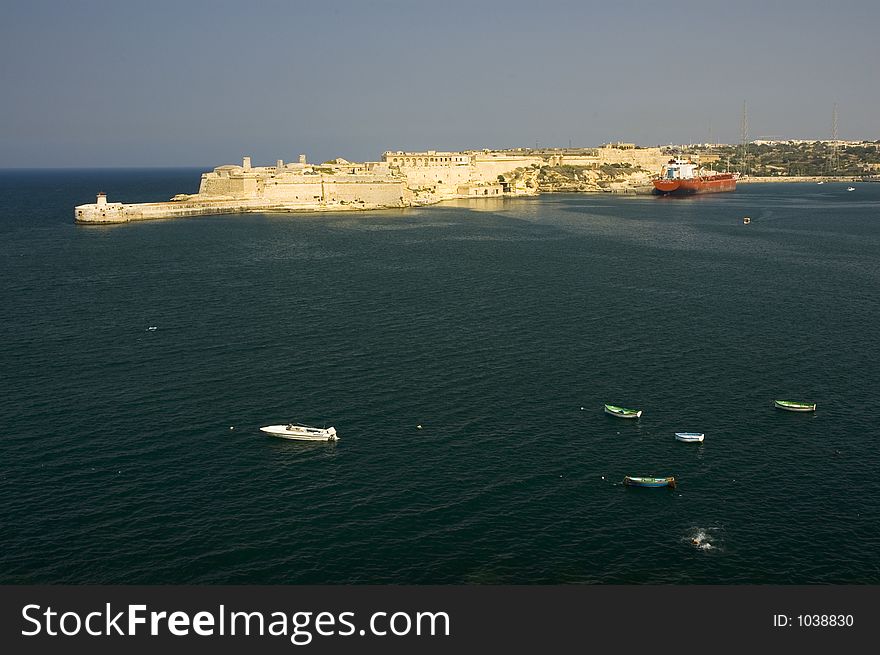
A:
(833, 161)
(744, 141)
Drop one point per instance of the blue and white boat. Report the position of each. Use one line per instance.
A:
(690, 436)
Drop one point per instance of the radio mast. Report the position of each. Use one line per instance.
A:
(744, 141)
(833, 162)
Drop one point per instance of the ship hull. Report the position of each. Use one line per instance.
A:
(715, 184)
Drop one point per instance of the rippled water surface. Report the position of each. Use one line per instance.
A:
(500, 328)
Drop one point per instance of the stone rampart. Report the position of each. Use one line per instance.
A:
(648, 158)
(488, 166)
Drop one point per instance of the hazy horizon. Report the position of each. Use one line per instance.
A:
(100, 84)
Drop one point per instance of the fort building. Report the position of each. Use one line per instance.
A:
(400, 179)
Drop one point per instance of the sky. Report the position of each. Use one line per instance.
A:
(193, 83)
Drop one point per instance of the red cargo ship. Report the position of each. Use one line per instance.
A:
(683, 177)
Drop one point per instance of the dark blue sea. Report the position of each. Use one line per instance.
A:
(130, 455)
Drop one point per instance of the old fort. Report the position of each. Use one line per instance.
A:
(399, 179)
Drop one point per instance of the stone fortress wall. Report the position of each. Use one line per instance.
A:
(302, 186)
(650, 159)
(454, 173)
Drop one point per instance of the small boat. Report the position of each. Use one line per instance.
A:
(746, 220)
(820, 183)
(690, 436)
(795, 407)
(850, 188)
(622, 412)
(649, 482)
(301, 432)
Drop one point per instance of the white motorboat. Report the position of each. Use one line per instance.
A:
(690, 436)
(852, 188)
(301, 432)
(792, 406)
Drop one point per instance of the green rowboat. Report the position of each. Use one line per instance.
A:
(622, 412)
(795, 407)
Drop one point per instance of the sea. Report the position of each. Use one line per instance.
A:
(464, 353)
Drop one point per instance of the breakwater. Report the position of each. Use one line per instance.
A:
(103, 212)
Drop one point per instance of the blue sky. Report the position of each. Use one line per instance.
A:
(202, 83)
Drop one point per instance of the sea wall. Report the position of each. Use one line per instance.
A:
(336, 197)
(117, 212)
(310, 190)
(301, 184)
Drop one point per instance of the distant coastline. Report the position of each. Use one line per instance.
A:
(800, 178)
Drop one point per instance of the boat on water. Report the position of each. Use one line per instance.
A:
(622, 412)
(690, 436)
(301, 432)
(851, 188)
(685, 177)
(792, 406)
(649, 482)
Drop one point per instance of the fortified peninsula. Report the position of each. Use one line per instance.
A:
(400, 179)
(406, 179)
